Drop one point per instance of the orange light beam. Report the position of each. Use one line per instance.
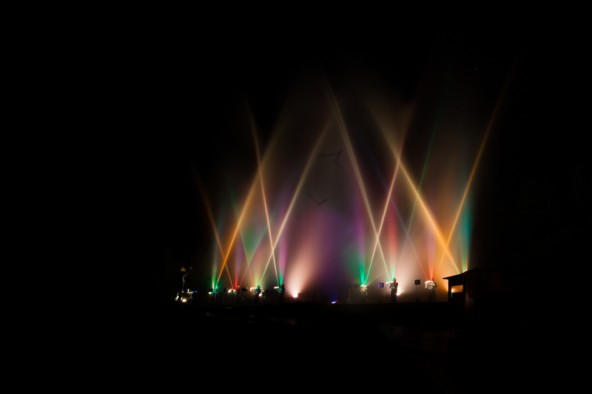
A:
(213, 224)
(409, 243)
(264, 196)
(426, 210)
(248, 259)
(245, 273)
(237, 227)
(386, 205)
(303, 177)
(356, 167)
(399, 163)
(252, 189)
(271, 243)
(469, 183)
(388, 201)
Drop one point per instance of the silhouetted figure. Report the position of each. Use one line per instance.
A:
(394, 286)
(186, 279)
(349, 298)
(282, 290)
(181, 282)
(257, 294)
(242, 294)
(431, 286)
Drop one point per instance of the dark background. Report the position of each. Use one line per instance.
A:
(172, 111)
(186, 96)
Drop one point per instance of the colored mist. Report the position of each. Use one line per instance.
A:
(336, 202)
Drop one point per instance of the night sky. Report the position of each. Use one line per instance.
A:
(532, 193)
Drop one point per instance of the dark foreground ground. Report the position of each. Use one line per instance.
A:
(421, 347)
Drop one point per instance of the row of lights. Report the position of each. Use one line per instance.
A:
(186, 296)
(257, 290)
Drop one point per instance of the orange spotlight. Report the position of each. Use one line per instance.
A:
(469, 183)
